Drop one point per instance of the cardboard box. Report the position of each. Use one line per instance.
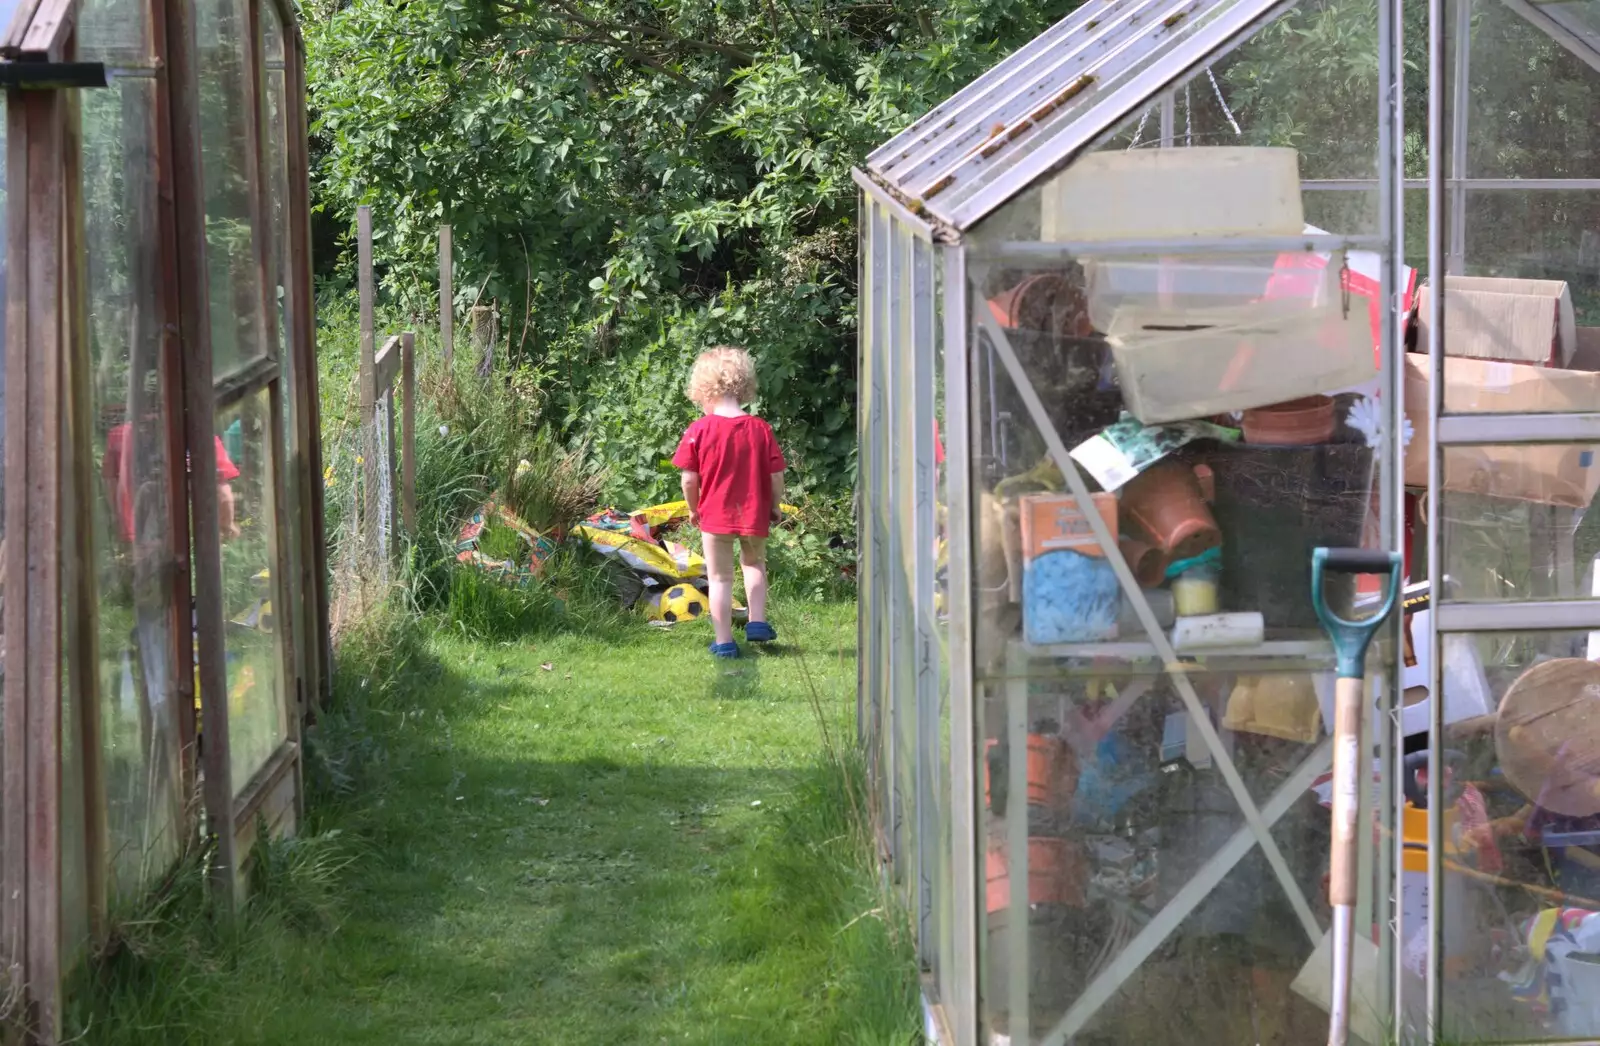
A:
(1052, 522)
(1586, 351)
(1565, 474)
(1174, 194)
(1513, 321)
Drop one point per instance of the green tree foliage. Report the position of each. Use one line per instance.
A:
(635, 180)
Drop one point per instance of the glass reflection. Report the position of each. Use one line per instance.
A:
(232, 187)
(1522, 828)
(275, 130)
(256, 710)
(133, 533)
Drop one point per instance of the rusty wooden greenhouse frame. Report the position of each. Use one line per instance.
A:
(52, 728)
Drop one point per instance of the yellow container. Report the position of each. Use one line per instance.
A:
(1414, 837)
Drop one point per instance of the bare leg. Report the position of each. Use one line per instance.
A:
(719, 572)
(753, 561)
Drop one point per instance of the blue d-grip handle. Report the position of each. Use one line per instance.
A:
(1350, 638)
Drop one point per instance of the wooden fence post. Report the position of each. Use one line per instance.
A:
(447, 297)
(484, 334)
(369, 382)
(408, 428)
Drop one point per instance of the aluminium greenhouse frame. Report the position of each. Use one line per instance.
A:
(930, 184)
(91, 319)
(922, 192)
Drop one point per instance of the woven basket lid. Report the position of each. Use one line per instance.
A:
(1548, 736)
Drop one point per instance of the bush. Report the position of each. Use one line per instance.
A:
(812, 556)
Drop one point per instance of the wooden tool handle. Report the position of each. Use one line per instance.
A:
(1346, 779)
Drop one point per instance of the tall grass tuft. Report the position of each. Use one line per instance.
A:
(298, 877)
(550, 487)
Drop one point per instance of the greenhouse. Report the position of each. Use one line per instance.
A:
(1170, 299)
(163, 637)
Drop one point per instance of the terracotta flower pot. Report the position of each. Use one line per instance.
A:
(1297, 423)
(1058, 873)
(1052, 772)
(1144, 559)
(1049, 301)
(1166, 506)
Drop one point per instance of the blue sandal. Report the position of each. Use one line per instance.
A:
(724, 649)
(760, 632)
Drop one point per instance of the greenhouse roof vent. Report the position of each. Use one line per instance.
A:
(1066, 89)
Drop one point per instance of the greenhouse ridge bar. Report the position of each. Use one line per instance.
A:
(1161, 303)
(158, 312)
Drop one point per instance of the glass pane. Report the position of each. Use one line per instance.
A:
(880, 508)
(1127, 65)
(1222, 408)
(8, 11)
(272, 37)
(275, 150)
(238, 320)
(1580, 16)
(1178, 338)
(1539, 235)
(903, 542)
(866, 511)
(1512, 521)
(944, 896)
(115, 32)
(1522, 303)
(1522, 828)
(1532, 110)
(74, 820)
(1126, 808)
(139, 671)
(1129, 800)
(1512, 343)
(1288, 87)
(249, 554)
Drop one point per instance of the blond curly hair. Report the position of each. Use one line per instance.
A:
(725, 370)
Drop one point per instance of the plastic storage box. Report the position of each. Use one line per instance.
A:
(1176, 362)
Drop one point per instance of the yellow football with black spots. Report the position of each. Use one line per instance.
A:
(681, 603)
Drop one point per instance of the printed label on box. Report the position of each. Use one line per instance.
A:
(1072, 530)
(1053, 523)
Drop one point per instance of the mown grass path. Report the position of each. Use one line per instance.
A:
(594, 840)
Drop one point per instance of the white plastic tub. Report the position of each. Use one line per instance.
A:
(1167, 194)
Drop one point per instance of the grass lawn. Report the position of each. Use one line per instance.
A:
(576, 839)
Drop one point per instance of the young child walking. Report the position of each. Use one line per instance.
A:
(733, 482)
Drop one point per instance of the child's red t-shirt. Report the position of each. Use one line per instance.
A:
(736, 458)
